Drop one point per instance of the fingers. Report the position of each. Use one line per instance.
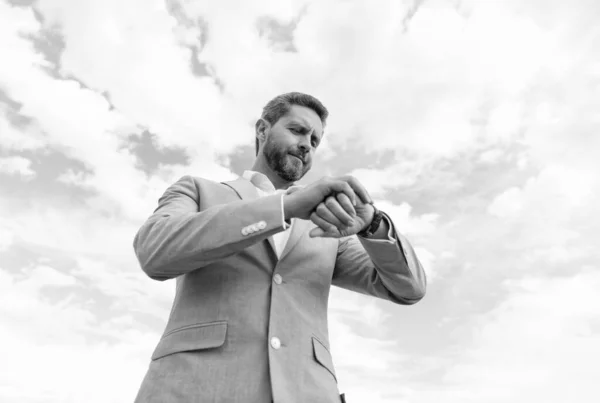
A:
(316, 232)
(334, 213)
(319, 233)
(351, 187)
(326, 227)
(341, 186)
(358, 188)
(346, 204)
(333, 217)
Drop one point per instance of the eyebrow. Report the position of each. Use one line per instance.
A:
(305, 126)
(301, 123)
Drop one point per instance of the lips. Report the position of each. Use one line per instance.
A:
(301, 159)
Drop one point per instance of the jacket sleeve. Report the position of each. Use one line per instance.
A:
(387, 269)
(177, 238)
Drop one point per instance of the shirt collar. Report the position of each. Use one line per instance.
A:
(259, 180)
(263, 183)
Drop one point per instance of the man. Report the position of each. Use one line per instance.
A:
(254, 259)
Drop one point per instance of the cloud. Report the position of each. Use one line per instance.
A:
(361, 357)
(507, 204)
(381, 180)
(59, 334)
(16, 166)
(473, 125)
(6, 239)
(540, 343)
(13, 138)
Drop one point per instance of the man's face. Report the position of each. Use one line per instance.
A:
(291, 142)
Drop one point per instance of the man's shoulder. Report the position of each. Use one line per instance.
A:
(199, 184)
(202, 181)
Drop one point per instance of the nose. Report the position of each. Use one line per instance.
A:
(304, 146)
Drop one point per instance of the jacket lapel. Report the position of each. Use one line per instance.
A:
(298, 229)
(246, 191)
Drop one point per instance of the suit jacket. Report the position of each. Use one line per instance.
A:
(246, 326)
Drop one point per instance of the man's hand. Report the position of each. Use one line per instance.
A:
(328, 218)
(301, 203)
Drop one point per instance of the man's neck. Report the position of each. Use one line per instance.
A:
(263, 168)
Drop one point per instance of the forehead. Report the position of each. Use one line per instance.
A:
(303, 116)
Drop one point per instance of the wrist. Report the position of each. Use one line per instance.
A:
(369, 221)
(373, 224)
(289, 207)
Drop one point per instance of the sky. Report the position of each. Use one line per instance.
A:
(473, 123)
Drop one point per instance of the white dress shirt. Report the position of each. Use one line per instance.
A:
(265, 188)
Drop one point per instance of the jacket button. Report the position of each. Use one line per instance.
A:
(277, 279)
(262, 225)
(245, 231)
(275, 343)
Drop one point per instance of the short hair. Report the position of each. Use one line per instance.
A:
(276, 108)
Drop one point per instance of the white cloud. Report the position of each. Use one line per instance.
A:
(507, 204)
(461, 84)
(505, 120)
(46, 276)
(73, 347)
(6, 239)
(491, 156)
(379, 181)
(152, 82)
(16, 166)
(365, 359)
(407, 223)
(541, 344)
(79, 122)
(12, 138)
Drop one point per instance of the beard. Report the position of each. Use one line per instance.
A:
(287, 167)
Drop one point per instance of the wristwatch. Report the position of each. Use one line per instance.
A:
(374, 226)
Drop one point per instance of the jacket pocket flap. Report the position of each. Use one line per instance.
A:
(193, 337)
(323, 356)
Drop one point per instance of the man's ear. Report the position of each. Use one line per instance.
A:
(261, 127)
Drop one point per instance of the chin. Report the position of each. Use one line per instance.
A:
(290, 175)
